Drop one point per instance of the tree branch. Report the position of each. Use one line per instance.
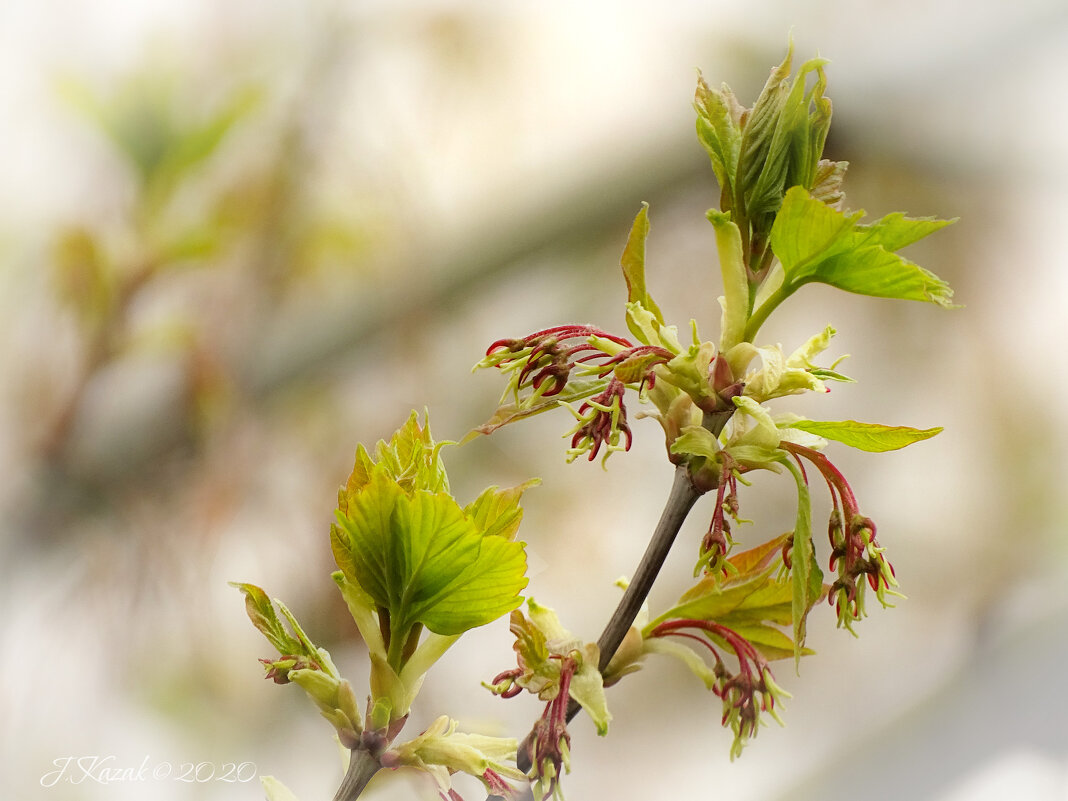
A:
(681, 499)
(362, 767)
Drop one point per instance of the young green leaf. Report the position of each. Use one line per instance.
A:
(735, 301)
(815, 242)
(423, 561)
(871, 437)
(796, 142)
(261, 612)
(633, 263)
(497, 512)
(719, 116)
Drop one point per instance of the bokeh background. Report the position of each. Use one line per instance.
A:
(236, 239)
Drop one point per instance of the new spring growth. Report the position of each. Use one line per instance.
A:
(855, 553)
(557, 667)
(577, 362)
(745, 692)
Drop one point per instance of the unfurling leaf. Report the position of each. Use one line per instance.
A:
(735, 301)
(719, 121)
(633, 263)
(411, 457)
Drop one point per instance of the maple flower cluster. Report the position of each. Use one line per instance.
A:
(745, 693)
(593, 365)
(855, 552)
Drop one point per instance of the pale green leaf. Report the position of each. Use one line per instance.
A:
(421, 559)
(497, 512)
(719, 131)
(441, 750)
(633, 264)
(587, 687)
(815, 242)
(756, 457)
(696, 441)
(765, 433)
(871, 437)
(688, 657)
(275, 790)
(735, 300)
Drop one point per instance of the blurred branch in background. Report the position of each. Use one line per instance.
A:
(220, 223)
(259, 230)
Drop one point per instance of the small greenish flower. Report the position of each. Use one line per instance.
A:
(557, 667)
(442, 751)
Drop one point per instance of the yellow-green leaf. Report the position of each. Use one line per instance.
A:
(633, 263)
(815, 242)
(871, 437)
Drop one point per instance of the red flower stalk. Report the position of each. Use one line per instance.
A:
(746, 693)
(717, 541)
(550, 743)
(854, 550)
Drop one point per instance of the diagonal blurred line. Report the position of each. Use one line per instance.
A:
(596, 205)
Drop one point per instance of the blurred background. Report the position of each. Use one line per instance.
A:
(236, 239)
